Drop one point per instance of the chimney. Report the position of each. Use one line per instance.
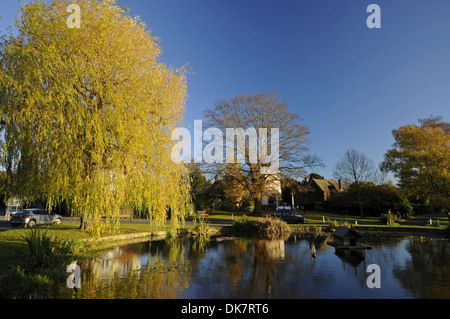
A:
(307, 179)
(340, 184)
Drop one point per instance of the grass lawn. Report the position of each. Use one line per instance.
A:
(311, 217)
(316, 219)
(13, 245)
(225, 216)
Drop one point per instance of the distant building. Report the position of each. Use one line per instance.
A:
(319, 191)
(272, 191)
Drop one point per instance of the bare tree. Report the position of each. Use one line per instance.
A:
(261, 111)
(356, 168)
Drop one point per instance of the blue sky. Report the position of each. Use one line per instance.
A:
(350, 84)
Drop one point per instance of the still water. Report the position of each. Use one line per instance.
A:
(410, 267)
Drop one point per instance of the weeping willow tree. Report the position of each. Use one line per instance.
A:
(87, 113)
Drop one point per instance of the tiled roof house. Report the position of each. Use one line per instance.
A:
(320, 190)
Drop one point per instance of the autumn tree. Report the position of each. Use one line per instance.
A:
(199, 187)
(86, 113)
(420, 159)
(233, 189)
(261, 111)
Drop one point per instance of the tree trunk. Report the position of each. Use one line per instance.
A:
(361, 210)
(257, 205)
(360, 202)
(84, 224)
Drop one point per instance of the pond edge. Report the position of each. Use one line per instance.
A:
(225, 230)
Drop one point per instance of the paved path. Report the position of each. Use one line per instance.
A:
(4, 225)
(352, 220)
(422, 220)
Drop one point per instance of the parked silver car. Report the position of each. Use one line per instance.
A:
(34, 216)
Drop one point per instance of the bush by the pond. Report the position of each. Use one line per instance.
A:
(243, 226)
(44, 263)
(45, 251)
(273, 228)
(23, 285)
(201, 229)
(388, 219)
(332, 225)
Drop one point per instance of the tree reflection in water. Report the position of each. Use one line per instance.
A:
(121, 274)
(427, 273)
(249, 268)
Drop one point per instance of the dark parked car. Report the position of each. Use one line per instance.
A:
(34, 216)
(289, 216)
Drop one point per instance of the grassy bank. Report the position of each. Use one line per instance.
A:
(13, 245)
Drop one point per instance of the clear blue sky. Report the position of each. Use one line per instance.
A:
(350, 84)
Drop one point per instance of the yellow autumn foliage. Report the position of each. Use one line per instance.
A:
(87, 112)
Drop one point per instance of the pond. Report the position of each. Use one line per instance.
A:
(409, 267)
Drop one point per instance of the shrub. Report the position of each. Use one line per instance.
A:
(248, 206)
(332, 225)
(316, 231)
(201, 229)
(273, 228)
(388, 219)
(45, 251)
(43, 264)
(21, 285)
(243, 226)
(171, 235)
(405, 207)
